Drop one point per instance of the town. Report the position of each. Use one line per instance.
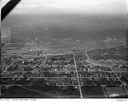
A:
(75, 69)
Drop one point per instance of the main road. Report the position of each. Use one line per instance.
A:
(78, 79)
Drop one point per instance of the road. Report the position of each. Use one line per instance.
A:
(78, 79)
(7, 68)
(46, 57)
(118, 77)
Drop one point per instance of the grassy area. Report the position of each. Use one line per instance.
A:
(92, 92)
(116, 91)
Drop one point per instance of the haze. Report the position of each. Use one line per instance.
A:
(70, 6)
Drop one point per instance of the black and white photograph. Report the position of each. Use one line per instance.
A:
(64, 49)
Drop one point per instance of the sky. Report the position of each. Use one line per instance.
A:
(71, 6)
